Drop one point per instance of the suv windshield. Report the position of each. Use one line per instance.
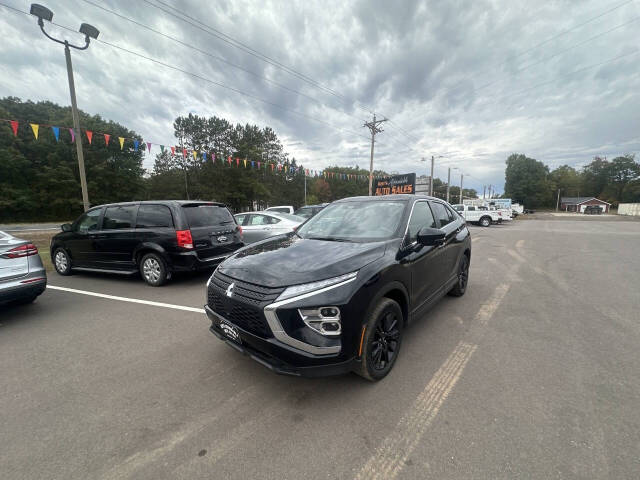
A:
(355, 221)
(206, 215)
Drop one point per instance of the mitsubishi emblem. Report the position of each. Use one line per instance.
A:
(229, 291)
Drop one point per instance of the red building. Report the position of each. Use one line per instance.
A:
(578, 204)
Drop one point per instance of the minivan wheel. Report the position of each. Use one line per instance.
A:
(62, 262)
(153, 269)
(463, 277)
(382, 340)
(485, 221)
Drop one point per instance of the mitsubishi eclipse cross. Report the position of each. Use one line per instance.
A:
(337, 294)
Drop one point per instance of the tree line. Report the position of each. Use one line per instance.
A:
(532, 183)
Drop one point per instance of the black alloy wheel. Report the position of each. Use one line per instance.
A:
(463, 278)
(381, 341)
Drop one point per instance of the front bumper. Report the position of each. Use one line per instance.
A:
(278, 356)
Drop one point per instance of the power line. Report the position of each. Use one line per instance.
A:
(215, 57)
(249, 50)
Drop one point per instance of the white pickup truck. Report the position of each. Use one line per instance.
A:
(473, 214)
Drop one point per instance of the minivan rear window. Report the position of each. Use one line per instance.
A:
(207, 215)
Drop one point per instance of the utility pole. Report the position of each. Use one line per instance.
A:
(461, 179)
(373, 127)
(89, 31)
(431, 177)
(558, 201)
(484, 190)
(448, 183)
(490, 191)
(305, 187)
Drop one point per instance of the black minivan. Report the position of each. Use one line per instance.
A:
(337, 293)
(155, 238)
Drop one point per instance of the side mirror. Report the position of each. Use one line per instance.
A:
(430, 236)
(66, 227)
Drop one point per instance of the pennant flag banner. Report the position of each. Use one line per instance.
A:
(35, 127)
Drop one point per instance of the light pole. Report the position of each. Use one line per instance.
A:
(461, 180)
(89, 31)
(433, 159)
(449, 180)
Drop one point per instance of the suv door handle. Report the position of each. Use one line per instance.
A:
(95, 235)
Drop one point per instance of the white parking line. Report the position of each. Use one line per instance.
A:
(127, 299)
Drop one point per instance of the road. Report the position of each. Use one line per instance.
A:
(534, 373)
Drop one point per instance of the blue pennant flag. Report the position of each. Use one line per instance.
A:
(204, 156)
(135, 145)
(56, 132)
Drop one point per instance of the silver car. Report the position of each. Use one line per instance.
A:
(22, 275)
(259, 225)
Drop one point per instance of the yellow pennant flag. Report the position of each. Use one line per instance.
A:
(285, 169)
(121, 139)
(245, 163)
(194, 154)
(35, 127)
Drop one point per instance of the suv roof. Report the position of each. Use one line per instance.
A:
(163, 202)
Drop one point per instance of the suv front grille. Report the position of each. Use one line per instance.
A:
(245, 307)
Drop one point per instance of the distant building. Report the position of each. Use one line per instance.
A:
(578, 204)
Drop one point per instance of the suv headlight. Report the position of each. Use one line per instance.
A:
(296, 290)
(324, 320)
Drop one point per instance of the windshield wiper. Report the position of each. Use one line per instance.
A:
(329, 239)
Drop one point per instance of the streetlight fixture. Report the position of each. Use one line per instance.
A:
(89, 32)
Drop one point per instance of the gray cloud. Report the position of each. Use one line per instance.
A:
(451, 74)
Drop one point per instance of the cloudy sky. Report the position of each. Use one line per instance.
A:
(471, 81)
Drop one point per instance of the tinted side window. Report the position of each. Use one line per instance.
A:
(271, 220)
(88, 222)
(116, 218)
(441, 213)
(150, 216)
(258, 220)
(420, 218)
(471, 209)
(240, 219)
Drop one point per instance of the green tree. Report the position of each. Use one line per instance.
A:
(526, 181)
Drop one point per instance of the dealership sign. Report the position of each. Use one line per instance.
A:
(396, 184)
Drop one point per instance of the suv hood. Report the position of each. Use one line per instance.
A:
(291, 260)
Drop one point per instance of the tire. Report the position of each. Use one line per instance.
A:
(463, 278)
(485, 221)
(382, 337)
(153, 269)
(61, 261)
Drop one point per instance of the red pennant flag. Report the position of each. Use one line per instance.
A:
(173, 151)
(14, 127)
(229, 160)
(237, 161)
(272, 167)
(107, 137)
(258, 164)
(89, 135)
(184, 152)
(149, 146)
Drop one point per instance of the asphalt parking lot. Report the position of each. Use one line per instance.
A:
(534, 373)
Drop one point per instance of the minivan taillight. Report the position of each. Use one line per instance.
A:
(22, 251)
(184, 238)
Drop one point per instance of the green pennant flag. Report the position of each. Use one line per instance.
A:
(162, 148)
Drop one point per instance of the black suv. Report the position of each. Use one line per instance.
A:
(155, 238)
(337, 294)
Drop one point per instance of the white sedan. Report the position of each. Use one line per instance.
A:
(260, 225)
